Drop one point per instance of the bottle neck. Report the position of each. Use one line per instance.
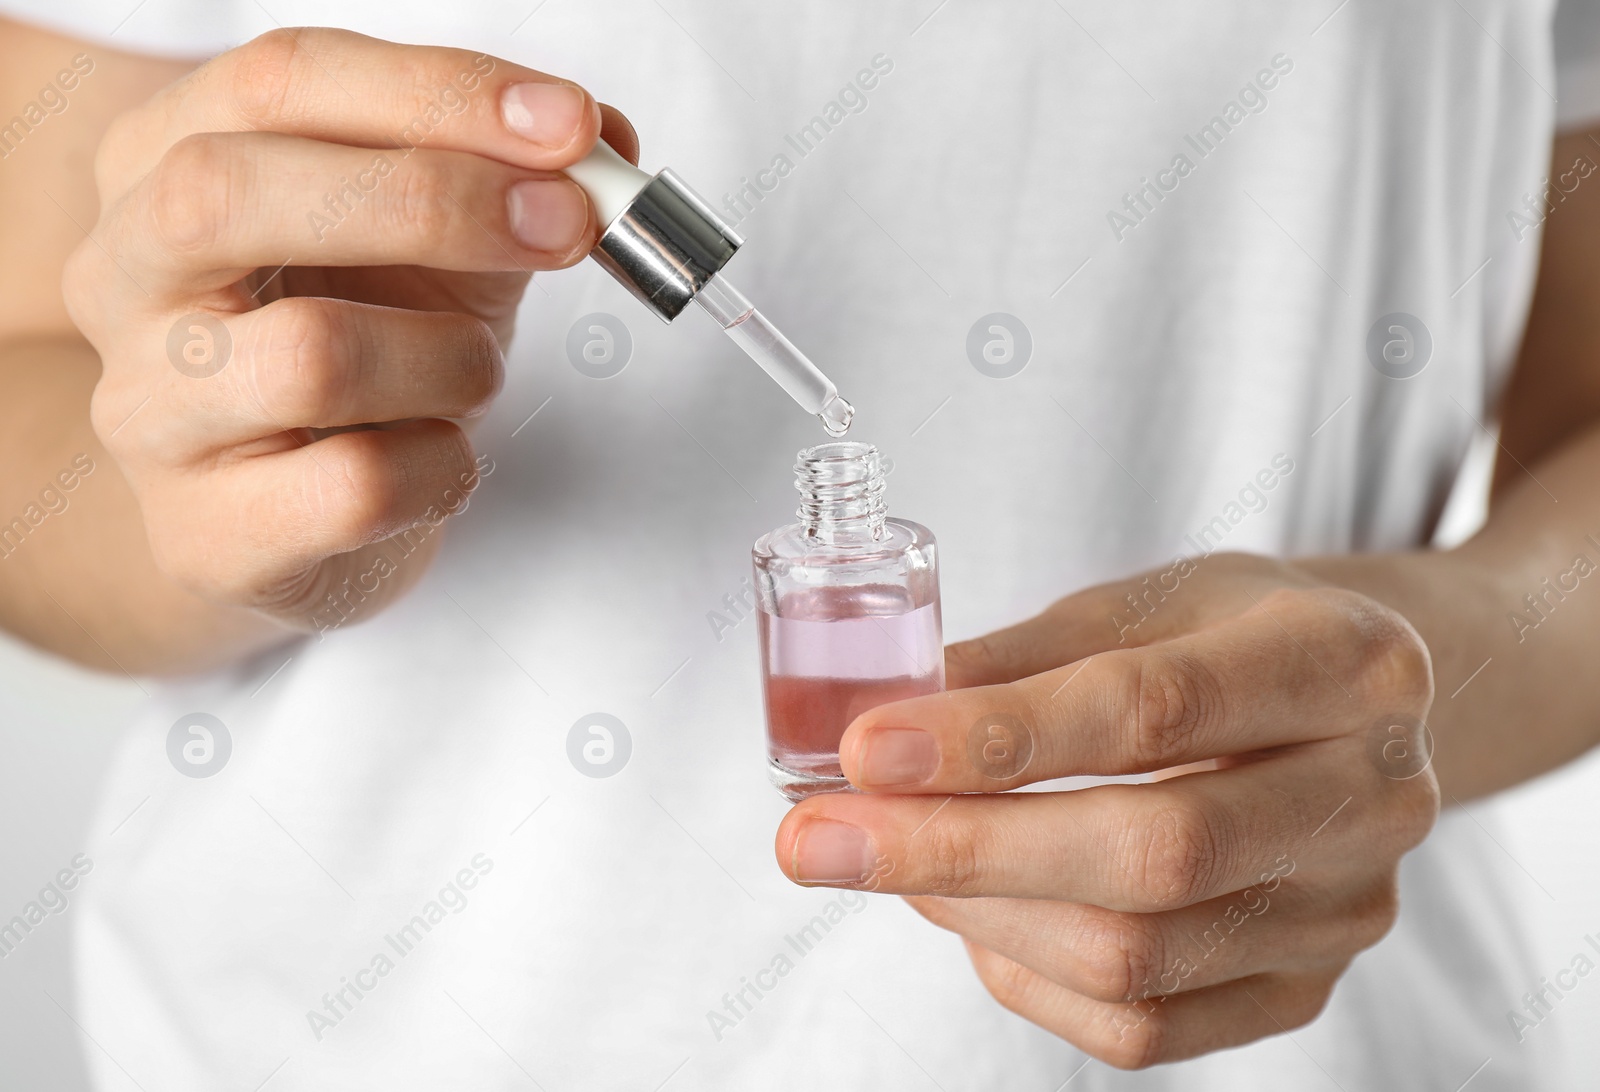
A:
(841, 493)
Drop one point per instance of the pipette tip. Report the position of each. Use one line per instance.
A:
(836, 415)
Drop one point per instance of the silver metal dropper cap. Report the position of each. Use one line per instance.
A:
(665, 245)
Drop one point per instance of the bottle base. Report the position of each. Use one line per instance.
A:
(797, 786)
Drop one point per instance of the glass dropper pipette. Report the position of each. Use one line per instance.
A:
(666, 246)
(765, 344)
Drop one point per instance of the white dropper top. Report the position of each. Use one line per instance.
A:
(613, 183)
(610, 181)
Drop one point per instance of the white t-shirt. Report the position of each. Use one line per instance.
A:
(1197, 298)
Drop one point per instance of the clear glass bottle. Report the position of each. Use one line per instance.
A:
(848, 606)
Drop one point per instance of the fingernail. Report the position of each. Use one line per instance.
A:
(545, 113)
(898, 756)
(830, 852)
(548, 215)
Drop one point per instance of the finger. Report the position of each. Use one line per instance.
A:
(1187, 595)
(282, 513)
(309, 362)
(1270, 926)
(1070, 630)
(346, 88)
(1299, 666)
(220, 205)
(1161, 1029)
(1139, 848)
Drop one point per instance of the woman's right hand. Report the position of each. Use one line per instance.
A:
(308, 261)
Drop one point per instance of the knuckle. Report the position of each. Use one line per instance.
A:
(950, 859)
(1176, 698)
(1180, 853)
(80, 275)
(109, 409)
(1119, 953)
(453, 451)
(359, 488)
(302, 352)
(260, 75)
(292, 598)
(101, 413)
(1398, 668)
(1009, 982)
(979, 657)
(1302, 1004)
(1393, 666)
(419, 208)
(373, 487)
(482, 368)
(1377, 913)
(1292, 598)
(1239, 563)
(1136, 1038)
(141, 439)
(190, 192)
(1416, 806)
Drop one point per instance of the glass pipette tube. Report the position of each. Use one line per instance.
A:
(776, 354)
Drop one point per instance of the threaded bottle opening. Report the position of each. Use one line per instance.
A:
(841, 492)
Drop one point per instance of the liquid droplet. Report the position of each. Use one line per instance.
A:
(836, 415)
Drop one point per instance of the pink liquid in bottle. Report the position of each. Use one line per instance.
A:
(821, 673)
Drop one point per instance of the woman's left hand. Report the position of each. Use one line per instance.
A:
(1150, 922)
